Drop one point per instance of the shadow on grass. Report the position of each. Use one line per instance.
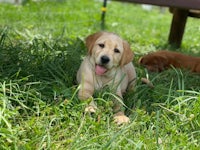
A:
(52, 65)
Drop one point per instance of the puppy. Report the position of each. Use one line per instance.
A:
(109, 62)
(161, 60)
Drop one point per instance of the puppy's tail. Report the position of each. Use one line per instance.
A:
(146, 81)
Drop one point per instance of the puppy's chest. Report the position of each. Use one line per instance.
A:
(101, 82)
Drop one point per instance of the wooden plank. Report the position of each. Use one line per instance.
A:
(194, 13)
(184, 4)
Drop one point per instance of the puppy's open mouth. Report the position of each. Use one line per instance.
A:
(100, 70)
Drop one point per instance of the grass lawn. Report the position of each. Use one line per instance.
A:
(41, 48)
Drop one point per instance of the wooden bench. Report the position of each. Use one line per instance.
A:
(181, 10)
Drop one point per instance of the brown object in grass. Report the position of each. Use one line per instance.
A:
(163, 59)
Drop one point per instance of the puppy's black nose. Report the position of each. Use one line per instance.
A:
(105, 59)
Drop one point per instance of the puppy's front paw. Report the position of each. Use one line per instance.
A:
(90, 109)
(121, 119)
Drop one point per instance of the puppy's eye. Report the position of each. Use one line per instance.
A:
(116, 50)
(101, 45)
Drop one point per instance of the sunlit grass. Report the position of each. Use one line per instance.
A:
(41, 48)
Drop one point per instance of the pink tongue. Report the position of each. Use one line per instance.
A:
(100, 70)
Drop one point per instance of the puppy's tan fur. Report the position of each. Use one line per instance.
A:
(161, 60)
(118, 71)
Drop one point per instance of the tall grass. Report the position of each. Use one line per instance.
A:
(41, 48)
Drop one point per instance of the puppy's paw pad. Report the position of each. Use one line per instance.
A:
(122, 119)
(90, 109)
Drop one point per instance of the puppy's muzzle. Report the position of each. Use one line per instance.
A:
(105, 60)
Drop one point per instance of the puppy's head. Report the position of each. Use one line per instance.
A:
(108, 51)
(154, 63)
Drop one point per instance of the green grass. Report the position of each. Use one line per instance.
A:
(41, 48)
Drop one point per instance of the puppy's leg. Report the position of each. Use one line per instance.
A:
(91, 108)
(85, 92)
(119, 116)
(196, 68)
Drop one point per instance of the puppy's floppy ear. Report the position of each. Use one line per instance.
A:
(90, 40)
(127, 54)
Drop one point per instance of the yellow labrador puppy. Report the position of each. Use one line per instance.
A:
(109, 62)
